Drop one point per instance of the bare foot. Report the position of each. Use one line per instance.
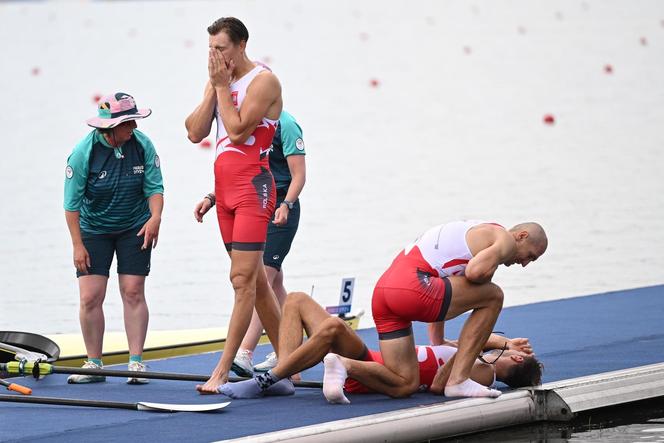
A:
(212, 385)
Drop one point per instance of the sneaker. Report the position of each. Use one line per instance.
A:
(137, 366)
(79, 378)
(269, 363)
(243, 365)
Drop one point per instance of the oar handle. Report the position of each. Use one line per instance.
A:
(16, 388)
(20, 389)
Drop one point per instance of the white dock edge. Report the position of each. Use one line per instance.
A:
(552, 401)
(414, 424)
(606, 389)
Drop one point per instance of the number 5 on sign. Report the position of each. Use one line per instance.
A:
(347, 286)
(345, 299)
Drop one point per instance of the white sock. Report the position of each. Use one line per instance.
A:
(334, 379)
(469, 388)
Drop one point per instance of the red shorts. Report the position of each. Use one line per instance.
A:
(246, 196)
(353, 386)
(410, 290)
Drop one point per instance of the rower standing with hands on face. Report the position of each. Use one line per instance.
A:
(287, 164)
(245, 100)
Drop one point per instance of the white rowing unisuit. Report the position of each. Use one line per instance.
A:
(444, 247)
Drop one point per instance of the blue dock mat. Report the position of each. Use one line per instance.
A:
(572, 337)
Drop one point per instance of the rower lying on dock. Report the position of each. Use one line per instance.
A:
(329, 338)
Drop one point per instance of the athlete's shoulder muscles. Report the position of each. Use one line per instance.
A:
(263, 91)
(482, 266)
(153, 182)
(291, 135)
(76, 173)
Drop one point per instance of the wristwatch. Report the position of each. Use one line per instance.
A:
(287, 203)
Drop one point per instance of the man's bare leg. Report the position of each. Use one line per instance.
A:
(486, 302)
(267, 307)
(245, 267)
(326, 333)
(253, 336)
(398, 376)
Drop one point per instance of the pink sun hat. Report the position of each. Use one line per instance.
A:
(115, 109)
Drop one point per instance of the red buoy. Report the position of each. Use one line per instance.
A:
(643, 41)
(548, 119)
(35, 71)
(608, 69)
(374, 83)
(206, 144)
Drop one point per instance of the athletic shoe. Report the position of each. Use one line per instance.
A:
(242, 364)
(137, 366)
(269, 363)
(79, 379)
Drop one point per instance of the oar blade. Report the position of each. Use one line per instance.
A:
(167, 407)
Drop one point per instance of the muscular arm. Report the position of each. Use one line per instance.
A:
(483, 265)
(199, 122)
(495, 341)
(264, 91)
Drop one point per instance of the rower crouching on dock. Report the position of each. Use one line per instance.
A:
(447, 271)
(516, 366)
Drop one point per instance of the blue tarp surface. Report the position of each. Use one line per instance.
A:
(572, 337)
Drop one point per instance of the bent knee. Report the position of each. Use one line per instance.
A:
(496, 295)
(406, 390)
(332, 327)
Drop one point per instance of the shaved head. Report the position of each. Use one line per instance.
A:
(536, 234)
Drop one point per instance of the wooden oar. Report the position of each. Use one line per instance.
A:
(41, 369)
(16, 388)
(140, 406)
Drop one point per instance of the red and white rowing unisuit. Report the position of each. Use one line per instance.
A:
(244, 186)
(429, 359)
(411, 290)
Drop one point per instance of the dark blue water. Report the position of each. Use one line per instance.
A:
(638, 422)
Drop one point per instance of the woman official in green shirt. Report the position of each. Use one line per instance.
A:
(113, 203)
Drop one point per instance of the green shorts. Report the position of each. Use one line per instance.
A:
(126, 245)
